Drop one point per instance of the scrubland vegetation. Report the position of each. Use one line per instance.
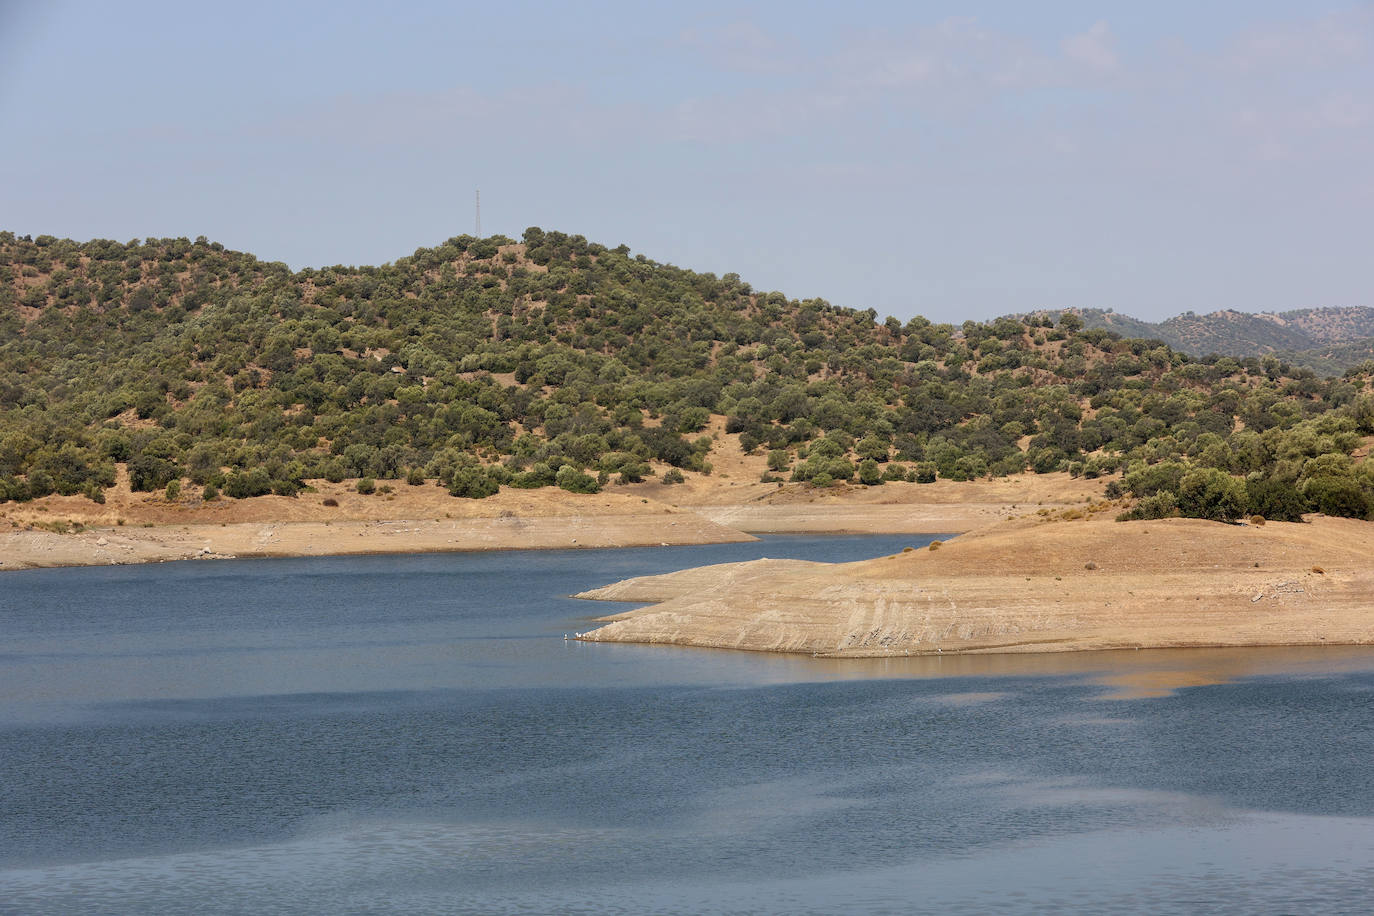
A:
(553, 361)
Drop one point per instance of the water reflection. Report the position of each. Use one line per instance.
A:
(1128, 673)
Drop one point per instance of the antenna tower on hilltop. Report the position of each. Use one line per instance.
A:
(479, 214)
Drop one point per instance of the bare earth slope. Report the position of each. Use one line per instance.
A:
(1020, 586)
(142, 528)
(145, 527)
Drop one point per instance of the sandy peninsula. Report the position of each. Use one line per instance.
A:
(1029, 585)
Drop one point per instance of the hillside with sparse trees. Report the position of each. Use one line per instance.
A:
(554, 361)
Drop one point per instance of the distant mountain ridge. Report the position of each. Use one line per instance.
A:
(1327, 340)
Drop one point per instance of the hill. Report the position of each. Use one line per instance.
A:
(553, 361)
(1326, 340)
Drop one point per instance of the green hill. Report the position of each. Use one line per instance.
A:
(556, 361)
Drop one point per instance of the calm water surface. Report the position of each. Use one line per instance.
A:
(412, 734)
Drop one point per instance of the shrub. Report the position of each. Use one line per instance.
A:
(1337, 495)
(330, 501)
(611, 462)
(1161, 505)
(826, 448)
(574, 481)
(367, 486)
(1147, 480)
(148, 473)
(673, 475)
(173, 490)
(472, 483)
(1212, 494)
(247, 484)
(40, 484)
(693, 419)
(541, 475)
(634, 472)
(11, 488)
(1045, 460)
(668, 446)
(872, 447)
(839, 468)
(1274, 498)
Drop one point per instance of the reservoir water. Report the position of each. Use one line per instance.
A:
(411, 734)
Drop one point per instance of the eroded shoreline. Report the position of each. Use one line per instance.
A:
(335, 520)
(1026, 587)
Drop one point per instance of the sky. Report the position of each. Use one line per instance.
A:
(958, 161)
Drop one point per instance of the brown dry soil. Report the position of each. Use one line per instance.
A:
(722, 507)
(140, 528)
(1029, 586)
(1040, 569)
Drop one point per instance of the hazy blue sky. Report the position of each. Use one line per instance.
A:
(953, 160)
